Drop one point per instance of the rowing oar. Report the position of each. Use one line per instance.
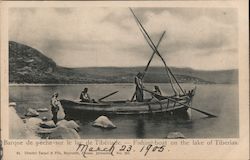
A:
(107, 95)
(171, 99)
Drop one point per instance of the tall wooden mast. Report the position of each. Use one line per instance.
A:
(154, 48)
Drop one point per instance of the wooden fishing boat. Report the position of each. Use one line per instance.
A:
(179, 101)
(148, 106)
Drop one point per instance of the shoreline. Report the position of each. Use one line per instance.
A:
(115, 83)
(42, 84)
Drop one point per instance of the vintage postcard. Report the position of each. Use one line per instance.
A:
(125, 80)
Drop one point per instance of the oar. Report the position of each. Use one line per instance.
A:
(171, 99)
(107, 95)
(208, 114)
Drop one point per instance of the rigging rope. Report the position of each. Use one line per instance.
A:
(151, 44)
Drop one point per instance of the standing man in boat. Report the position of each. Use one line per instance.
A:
(139, 87)
(84, 96)
(54, 106)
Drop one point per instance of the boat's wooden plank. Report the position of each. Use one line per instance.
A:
(149, 112)
(124, 108)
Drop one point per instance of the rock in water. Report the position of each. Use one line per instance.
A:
(44, 118)
(12, 104)
(68, 124)
(32, 113)
(47, 124)
(103, 122)
(33, 123)
(175, 135)
(42, 110)
(61, 132)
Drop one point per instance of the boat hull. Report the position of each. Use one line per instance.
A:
(127, 107)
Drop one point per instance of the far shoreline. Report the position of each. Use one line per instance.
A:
(128, 83)
(59, 84)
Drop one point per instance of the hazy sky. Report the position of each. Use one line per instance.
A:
(199, 38)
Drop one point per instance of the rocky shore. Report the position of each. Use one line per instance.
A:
(32, 127)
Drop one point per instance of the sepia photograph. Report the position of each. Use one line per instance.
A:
(123, 72)
(124, 80)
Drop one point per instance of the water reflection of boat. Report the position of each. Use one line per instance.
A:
(179, 101)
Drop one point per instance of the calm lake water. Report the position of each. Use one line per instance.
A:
(221, 100)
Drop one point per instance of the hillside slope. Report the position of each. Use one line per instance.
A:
(28, 65)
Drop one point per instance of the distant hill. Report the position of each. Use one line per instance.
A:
(28, 65)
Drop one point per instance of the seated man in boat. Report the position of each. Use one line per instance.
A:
(84, 96)
(157, 90)
(191, 93)
(139, 87)
(156, 93)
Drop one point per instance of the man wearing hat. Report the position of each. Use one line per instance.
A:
(84, 96)
(139, 87)
(54, 106)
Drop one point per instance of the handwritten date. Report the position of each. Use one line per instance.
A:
(152, 148)
(116, 149)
